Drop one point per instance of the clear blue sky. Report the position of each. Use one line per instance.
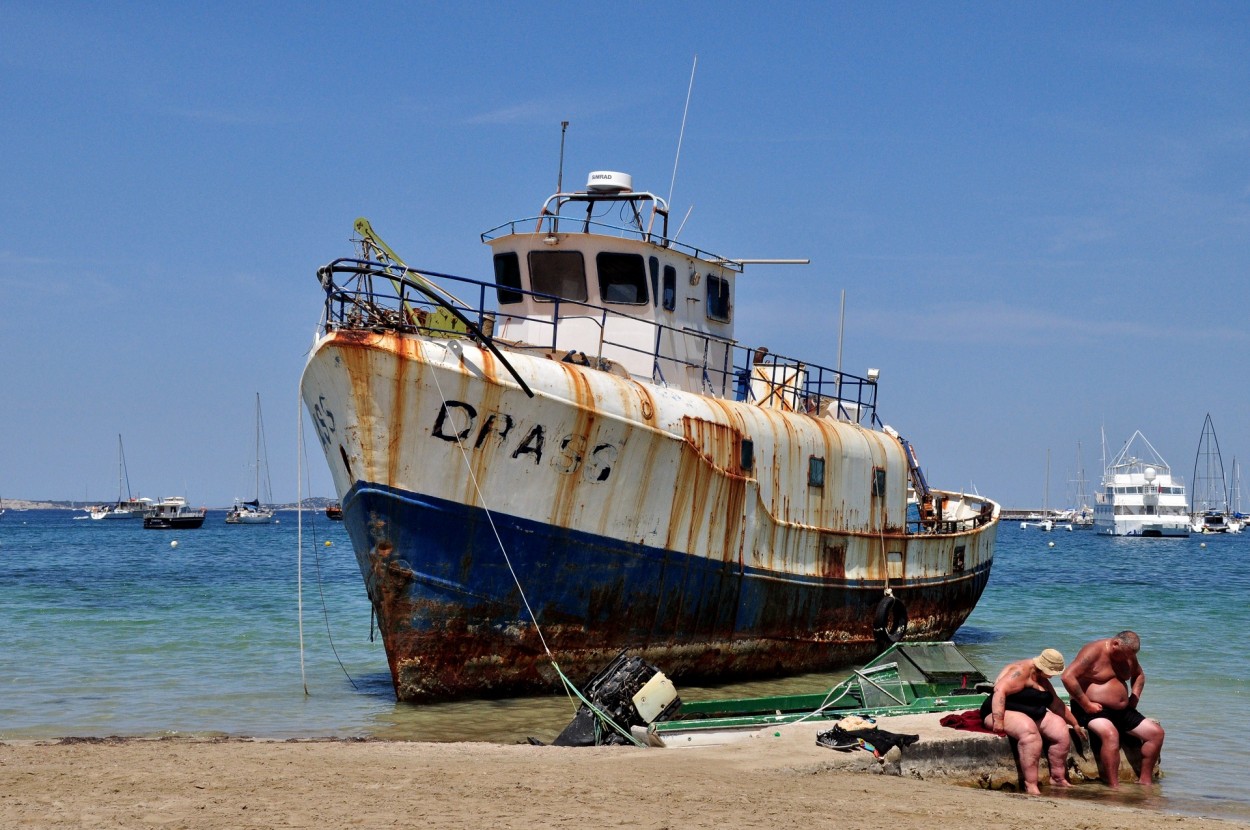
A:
(1040, 213)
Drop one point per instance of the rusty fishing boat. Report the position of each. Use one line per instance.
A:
(579, 458)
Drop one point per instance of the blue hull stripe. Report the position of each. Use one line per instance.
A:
(454, 624)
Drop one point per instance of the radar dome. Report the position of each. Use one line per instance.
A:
(607, 181)
(1149, 473)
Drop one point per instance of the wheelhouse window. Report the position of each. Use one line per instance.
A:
(670, 288)
(508, 278)
(717, 298)
(622, 278)
(654, 267)
(559, 273)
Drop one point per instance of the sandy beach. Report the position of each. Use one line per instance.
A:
(106, 783)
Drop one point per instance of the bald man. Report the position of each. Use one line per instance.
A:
(1104, 684)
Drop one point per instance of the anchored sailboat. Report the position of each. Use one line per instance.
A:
(254, 512)
(124, 508)
(1208, 508)
(1046, 520)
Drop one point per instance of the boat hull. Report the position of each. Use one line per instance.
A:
(249, 518)
(455, 624)
(498, 534)
(173, 523)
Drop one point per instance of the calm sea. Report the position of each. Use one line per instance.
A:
(109, 629)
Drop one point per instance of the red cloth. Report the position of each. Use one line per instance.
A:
(969, 721)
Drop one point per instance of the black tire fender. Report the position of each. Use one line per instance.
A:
(889, 623)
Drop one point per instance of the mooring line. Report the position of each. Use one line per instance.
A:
(301, 474)
(299, 536)
(568, 684)
(464, 454)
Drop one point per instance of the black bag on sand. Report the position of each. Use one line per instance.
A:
(879, 740)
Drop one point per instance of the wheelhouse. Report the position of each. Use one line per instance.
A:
(601, 264)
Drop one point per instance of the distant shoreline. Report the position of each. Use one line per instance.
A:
(20, 505)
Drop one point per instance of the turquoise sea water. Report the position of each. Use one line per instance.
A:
(109, 630)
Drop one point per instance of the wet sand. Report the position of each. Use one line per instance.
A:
(106, 783)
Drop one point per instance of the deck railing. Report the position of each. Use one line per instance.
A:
(366, 294)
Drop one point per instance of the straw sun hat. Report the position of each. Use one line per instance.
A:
(1049, 662)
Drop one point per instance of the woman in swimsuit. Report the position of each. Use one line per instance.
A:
(1024, 706)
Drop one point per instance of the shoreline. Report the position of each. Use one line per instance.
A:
(332, 782)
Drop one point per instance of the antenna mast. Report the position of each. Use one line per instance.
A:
(682, 134)
(564, 128)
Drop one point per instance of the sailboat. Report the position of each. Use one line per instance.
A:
(1236, 519)
(1045, 520)
(1080, 513)
(254, 512)
(124, 508)
(1208, 507)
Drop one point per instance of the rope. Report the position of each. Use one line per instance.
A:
(299, 544)
(301, 455)
(464, 454)
(568, 684)
(325, 611)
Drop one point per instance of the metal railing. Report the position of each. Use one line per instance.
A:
(369, 295)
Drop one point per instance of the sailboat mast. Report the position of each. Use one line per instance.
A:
(123, 475)
(1046, 495)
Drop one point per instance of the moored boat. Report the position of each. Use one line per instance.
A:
(905, 679)
(253, 512)
(172, 513)
(1139, 496)
(126, 506)
(581, 459)
(334, 512)
(249, 513)
(1209, 505)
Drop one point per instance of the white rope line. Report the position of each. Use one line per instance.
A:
(299, 555)
(464, 453)
(569, 688)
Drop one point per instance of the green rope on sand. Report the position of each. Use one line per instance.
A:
(599, 713)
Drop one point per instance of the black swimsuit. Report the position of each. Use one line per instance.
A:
(1125, 720)
(1032, 702)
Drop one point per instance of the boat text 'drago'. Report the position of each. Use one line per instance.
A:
(577, 457)
(1139, 495)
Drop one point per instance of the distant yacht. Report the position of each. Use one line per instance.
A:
(1139, 497)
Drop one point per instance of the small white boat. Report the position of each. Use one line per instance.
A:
(1209, 506)
(253, 512)
(1048, 519)
(124, 508)
(1045, 524)
(1139, 496)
